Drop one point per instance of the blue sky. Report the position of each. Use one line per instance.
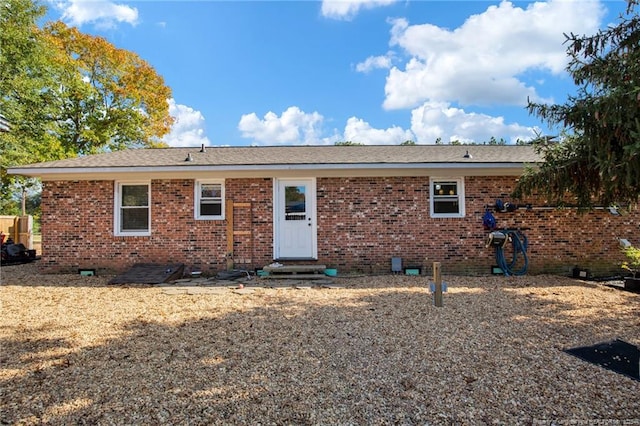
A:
(369, 71)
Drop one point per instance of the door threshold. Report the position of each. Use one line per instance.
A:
(309, 259)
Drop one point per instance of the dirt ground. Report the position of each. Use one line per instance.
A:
(75, 350)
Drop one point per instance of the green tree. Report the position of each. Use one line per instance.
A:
(66, 93)
(27, 72)
(348, 143)
(598, 162)
(408, 142)
(494, 141)
(110, 99)
(523, 142)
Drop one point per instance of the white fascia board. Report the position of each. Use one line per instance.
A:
(386, 169)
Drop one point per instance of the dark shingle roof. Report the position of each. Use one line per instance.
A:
(297, 155)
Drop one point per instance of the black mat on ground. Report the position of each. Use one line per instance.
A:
(232, 275)
(616, 355)
(150, 273)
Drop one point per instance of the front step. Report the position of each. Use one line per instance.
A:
(305, 272)
(295, 277)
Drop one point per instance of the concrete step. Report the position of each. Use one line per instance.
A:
(285, 276)
(295, 269)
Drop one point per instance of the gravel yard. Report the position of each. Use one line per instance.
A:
(74, 350)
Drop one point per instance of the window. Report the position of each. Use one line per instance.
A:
(209, 200)
(295, 202)
(447, 197)
(132, 212)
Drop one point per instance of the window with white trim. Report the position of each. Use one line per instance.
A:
(446, 197)
(132, 209)
(209, 199)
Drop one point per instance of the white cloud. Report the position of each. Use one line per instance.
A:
(358, 130)
(434, 120)
(188, 128)
(375, 62)
(102, 13)
(430, 121)
(347, 9)
(294, 126)
(481, 62)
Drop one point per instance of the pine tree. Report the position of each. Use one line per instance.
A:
(597, 162)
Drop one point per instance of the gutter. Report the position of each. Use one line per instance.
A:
(66, 171)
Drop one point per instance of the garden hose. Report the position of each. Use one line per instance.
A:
(519, 245)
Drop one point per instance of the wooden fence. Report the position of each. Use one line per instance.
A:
(19, 228)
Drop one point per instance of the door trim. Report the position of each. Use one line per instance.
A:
(277, 182)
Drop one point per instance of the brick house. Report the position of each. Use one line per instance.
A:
(348, 207)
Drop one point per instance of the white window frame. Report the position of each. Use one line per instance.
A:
(197, 199)
(460, 195)
(117, 231)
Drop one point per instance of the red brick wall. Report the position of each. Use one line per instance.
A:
(362, 223)
(77, 227)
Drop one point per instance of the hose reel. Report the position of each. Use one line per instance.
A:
(500, 241)
(497, 239)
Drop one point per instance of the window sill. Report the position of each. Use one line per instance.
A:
(132, 234)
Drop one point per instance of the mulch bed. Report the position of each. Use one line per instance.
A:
(372, 350)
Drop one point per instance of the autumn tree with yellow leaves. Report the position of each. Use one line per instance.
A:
(109, 98)
(65, 93)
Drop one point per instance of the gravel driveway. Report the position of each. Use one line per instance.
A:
(74, 350)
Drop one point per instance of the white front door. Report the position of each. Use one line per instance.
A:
(295, 219)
